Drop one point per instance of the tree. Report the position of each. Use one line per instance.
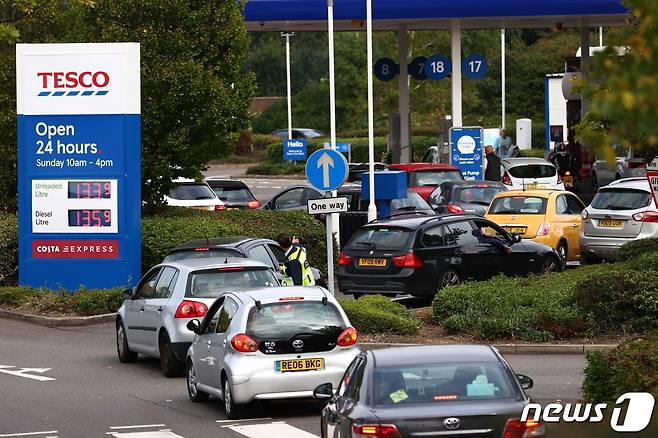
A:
(623, 89)
(12, 12)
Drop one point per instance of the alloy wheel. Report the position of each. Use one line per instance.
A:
(227, 397)
(450, 279)
(549, 265)
(121, 339)
(191, 380)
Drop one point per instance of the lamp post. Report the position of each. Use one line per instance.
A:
(372, 208)
(287, 36)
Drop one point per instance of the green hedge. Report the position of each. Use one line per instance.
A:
(637, 248)
(41, 301)
(631, 367)
(537, 153)
(378, 314)
(287, 168)
(359, 148)
(8, 249)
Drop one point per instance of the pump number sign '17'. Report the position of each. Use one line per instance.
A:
(79, 162)
(326, 169)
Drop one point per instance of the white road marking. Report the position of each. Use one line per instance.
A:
(48, 432)
(271, 429)
(243, 420)
(138, 426)
(163, 433)
(22, 372)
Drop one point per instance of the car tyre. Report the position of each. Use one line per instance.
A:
(234, 411)
(562, 252)
(196, 395)
(448, 278)
(126, 355)
(551, 264)
(169, 363)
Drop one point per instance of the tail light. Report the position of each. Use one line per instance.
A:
(454, 208)
(646, 216)
(585, 214)
(544, 229)
(506, 179)
(244, 344)
(220, 207)
(375, 430)
(409, 260)
(344, 259)
(253, 204)
(523, 429)
(191, 309)
(348, 337)
(636, 164)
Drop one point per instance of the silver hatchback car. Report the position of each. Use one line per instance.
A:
(153, 317)
(622, 211)
(269, 344)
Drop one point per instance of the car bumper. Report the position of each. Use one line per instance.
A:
(607, 247)
(254, 376)
(404, 283)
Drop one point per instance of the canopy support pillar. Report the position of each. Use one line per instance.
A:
(403, 95)
(456, 55)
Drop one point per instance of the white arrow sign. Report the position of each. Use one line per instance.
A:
(23, 372)
(325, 161)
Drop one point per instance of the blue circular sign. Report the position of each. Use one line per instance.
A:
(437, 67)
(475, 66)
(417, 68)
(326, 169)
(386, 69)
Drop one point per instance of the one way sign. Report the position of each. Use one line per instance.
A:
(327, 205)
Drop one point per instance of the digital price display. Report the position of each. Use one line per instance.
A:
(90, 218)
(90, 190)
(74, 206)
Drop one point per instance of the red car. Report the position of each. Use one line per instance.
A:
(423, 178)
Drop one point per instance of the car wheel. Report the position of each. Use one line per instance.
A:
(562, 252)
(169, 363)
(233, 410)
(123, 350)
(449, 278)
(551, 264)
(193, 392)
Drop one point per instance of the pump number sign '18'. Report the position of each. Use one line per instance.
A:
(78, 111)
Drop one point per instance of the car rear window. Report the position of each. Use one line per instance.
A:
(380, 238)
(532, 171)
(518, 205)
(422, 178)
(233, 194)
(621, 199)
(476, 195)
(189, 192)
(287, 319)
(202, 253)
(211, 283)
(441, 383)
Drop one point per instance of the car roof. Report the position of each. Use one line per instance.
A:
(414, 222)
(433, 353)
(215, 181)
(216, 263)
(640, 183)
(212, 242)
(534, 192)
(521, 161)
(472, 183)
(274, 294)
(422, 166)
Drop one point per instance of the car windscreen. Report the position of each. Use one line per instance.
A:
(532, 171)
(621, 199)
(288, 319)
(233, 194)
(189, 192)
(413, 201)
(476, 195)
(422, 178)
(211, 283)
(380, 238)
(202, 253)
(441, 383)
(518, 205)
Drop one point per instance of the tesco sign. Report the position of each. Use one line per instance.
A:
(71, 79)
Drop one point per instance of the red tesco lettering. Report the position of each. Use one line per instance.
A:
(71, 79)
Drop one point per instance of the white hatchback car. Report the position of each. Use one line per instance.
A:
(269, 344)
(153, 317)
(193, 194)
(529, 173)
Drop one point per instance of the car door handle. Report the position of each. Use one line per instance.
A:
(142, 309)
(575, 225)
(160, 309)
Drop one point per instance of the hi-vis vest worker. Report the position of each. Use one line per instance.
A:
(297, 266)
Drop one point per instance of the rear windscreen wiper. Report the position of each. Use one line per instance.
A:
(366, 243)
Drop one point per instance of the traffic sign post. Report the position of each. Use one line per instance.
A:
(466, 151)
(326, 170)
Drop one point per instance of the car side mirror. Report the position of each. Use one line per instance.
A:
(194, 326)
(525, 381)
(516, 238)
(323, 392)
(127, 294)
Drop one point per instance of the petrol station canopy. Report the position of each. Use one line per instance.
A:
(311, 15)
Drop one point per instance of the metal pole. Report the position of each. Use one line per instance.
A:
(287, 36)
(332, 219)
(372, 208)
(600, 36)
(403, 95)
(456, 53)
(502, 77)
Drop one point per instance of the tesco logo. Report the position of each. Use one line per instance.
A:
(59, 80)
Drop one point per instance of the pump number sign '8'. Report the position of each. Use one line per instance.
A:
(78, 111)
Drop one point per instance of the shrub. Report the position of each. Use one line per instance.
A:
(41, 301)
(287, 168)
(631, 367)
(537, 153)
(359, 148)
(635, 248)
(643, 262)
(620, 299)
(262, 141)
(378, 314)
(8, 249)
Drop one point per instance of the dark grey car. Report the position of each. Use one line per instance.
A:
(472, 197)
(433, 390)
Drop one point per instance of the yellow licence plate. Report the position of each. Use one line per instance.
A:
(516, 230)
(534, 186)
(611, 223)
(379, 263)
(293, 365)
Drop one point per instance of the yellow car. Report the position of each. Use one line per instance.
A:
(551, 217)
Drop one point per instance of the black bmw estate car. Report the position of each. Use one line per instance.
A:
(419, 255)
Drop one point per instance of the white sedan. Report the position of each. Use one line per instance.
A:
(529, 174)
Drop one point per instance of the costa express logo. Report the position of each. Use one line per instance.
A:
(71, 83)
